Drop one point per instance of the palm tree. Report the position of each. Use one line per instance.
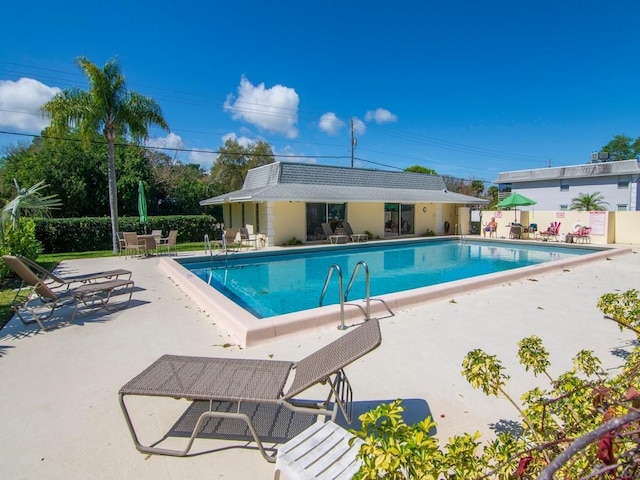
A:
(588, 202)
(28, 201)
(108, 107)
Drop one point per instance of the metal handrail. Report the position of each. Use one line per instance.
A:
(207, 244)
(363, 264)
(337, 268)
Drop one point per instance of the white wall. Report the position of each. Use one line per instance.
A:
(549, 196)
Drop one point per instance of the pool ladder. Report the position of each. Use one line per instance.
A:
(210, 247)
(344, 294)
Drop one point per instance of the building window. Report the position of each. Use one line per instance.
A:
(622, 207)
(623, 182)
(564, 187)
(504, 190)
(564, 208)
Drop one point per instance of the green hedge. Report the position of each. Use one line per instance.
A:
(60, 235)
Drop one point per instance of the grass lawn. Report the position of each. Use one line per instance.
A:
(51, 261)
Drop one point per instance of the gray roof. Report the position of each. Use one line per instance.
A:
(281, 181)
(600, 169)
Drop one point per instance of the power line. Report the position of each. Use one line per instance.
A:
(244, 109)
(171, 149)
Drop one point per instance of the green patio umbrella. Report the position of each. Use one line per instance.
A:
(142, 205)
(515, 200)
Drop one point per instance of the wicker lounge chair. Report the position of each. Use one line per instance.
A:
(254, 382)
(54, 280)
(37, 302)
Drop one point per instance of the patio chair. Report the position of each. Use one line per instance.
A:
(552, 232)
(121, 243)
(229, 239)
(38, 296)
(169, 242)
(247, 238)
(53, 280)
(582, 235)
(134, 244)
(332, 237)
(355, 237)
(245, 382)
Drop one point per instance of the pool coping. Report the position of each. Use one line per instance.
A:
(248, 330)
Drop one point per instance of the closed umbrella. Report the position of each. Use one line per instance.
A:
(142, 205)
(515, 200)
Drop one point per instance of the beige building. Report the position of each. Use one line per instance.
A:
(284, 200)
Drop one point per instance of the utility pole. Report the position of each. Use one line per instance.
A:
(354, 141)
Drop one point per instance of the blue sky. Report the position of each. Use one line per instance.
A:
(468, 88)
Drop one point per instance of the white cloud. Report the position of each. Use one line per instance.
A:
(359, 126)
(330, 123)
(242, 141)
(272, 109)
(170, 141)
(20, 101)
(380, 116)
(204, 158)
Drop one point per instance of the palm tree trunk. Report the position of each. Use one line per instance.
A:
(113, 195)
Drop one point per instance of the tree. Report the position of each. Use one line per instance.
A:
(29, 202)
(110, 108)
(235, 160)
(75, 170)
(421, 169)
(492, 196)
(588, 202)
(17, 234)
(477, 186)
(621, 148)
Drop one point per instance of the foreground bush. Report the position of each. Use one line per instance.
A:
(19, 240)
(586, 424)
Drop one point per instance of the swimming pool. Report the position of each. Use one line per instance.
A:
(286, 282)
(247, 324)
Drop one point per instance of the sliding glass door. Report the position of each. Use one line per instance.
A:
(398, 219)
(318, 213)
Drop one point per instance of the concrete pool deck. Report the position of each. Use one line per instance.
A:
(61, 419)
(249, 330)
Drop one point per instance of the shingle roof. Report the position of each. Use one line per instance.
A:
(319, 183)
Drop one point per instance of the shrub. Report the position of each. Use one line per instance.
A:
(584, 425)
(20, 240)
(86, 234)
(294, 241)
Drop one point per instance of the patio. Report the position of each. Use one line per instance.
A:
(61, 417)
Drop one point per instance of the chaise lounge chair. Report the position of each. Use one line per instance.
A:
(54, 280)
(552, 232)
(38, 297)
(355, 237)
(243, 381)
(332, 237)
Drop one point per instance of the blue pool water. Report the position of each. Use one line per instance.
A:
(289, 281)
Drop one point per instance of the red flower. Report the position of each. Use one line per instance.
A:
(605, 449)
(634, 397)
(522, 465)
